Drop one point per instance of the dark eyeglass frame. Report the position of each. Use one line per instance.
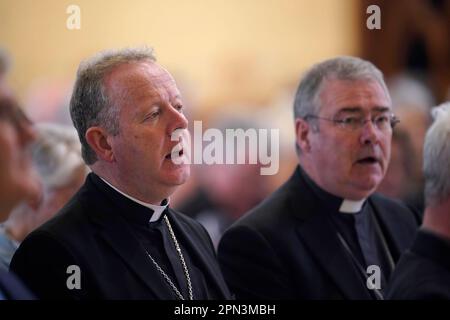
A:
(393, 119)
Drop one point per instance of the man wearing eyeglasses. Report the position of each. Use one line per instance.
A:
(325, 234)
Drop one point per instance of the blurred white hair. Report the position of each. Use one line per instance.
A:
(56, 154)
(436, 158)
(410, 93)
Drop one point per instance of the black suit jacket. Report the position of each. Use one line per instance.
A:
(12, 289)
(423, 272)
(286, 248)
(89, 232)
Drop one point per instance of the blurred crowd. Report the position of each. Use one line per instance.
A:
(41, 169)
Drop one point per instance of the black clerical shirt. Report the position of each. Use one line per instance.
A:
(154, 237)
(360, 231)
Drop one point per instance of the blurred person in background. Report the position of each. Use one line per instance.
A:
(5, 65)
(399, 182)
(411, 101)
(318, 234)
(47, 100)
(17, 180)
(56, 156)
(226, 191)
(424, 271)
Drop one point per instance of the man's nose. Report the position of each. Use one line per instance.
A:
(177, 120)
(369, 133)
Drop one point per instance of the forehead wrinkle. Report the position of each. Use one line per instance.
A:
(156, 82)
(137, 88)
(360, 106)
(144, 86)
(350, 110)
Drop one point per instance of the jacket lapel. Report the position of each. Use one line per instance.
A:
(319, 236)
(210, 269)
(124, 243)
(317, 232)
(397, 232)
(116, 232)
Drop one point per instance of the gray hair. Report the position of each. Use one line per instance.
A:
(56, 154)
(90, 104)
(436, 156)
(341, 68)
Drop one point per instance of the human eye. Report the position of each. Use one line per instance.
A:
(179, 107)
(155, 113)
(349, 121)
(382, 120)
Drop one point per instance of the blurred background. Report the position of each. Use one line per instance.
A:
(238, 62)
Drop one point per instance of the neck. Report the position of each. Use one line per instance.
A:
(437, 219)
(344, 191)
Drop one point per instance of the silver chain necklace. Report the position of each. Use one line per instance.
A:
(183, 263)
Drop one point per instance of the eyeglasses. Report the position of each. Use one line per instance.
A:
(382, 122)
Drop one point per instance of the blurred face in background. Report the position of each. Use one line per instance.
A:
(58, 186)
(399, 180)
(224, 184)
(55, 198)
(18, 181)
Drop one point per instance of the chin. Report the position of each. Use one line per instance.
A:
(364, 190)
(180, 175)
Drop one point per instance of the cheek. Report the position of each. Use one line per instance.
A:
(338, 153)
(131, 147)
(341, 157)
(386, 150)
(146, 142)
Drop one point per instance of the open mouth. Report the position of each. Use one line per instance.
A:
(169, 155)
(368, 160)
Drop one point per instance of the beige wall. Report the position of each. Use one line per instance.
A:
(229, 50)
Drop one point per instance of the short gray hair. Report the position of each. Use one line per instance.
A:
(90, 104)
(341, 68)
(56, 154)
(436, 156)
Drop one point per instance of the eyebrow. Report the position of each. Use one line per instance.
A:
(145, 111)
(378, 109)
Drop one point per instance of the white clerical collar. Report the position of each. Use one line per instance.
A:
(157, 210)
(350, 206)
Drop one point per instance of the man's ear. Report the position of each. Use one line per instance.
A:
(97, 138)
(302, 130)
